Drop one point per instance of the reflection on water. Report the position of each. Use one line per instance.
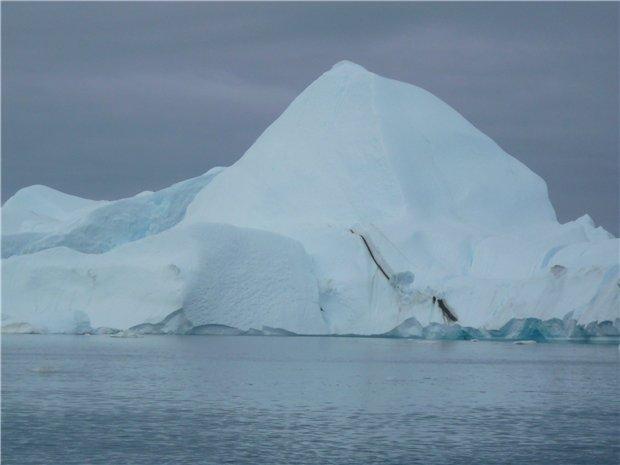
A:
(165, 399)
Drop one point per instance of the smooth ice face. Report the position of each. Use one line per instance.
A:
(359, 173)
(250, 279)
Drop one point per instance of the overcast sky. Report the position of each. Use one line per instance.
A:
(104, 100)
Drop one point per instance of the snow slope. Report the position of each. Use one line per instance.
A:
(359, 171)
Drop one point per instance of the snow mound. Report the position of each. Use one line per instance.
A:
(41, 209)
(368, 207)
(102, 227)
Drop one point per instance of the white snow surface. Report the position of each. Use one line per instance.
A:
(267, 242)
(41, 209)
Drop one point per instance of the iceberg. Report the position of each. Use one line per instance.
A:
(368, 207)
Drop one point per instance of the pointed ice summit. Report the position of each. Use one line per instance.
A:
(358, 147)
(367, 205)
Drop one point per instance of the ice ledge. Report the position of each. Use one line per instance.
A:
(517, 329)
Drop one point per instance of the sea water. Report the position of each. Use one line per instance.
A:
(306, 400)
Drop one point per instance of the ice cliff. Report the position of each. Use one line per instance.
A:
(358, 174)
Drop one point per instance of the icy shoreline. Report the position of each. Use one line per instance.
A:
(517, 329)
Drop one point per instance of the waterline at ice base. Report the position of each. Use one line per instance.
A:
(369, 207)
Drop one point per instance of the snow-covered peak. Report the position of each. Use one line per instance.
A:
(346, 66)
(355, 147)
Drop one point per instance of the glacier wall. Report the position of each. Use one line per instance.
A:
(265, 246)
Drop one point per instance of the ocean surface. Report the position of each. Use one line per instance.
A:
(306, 400)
